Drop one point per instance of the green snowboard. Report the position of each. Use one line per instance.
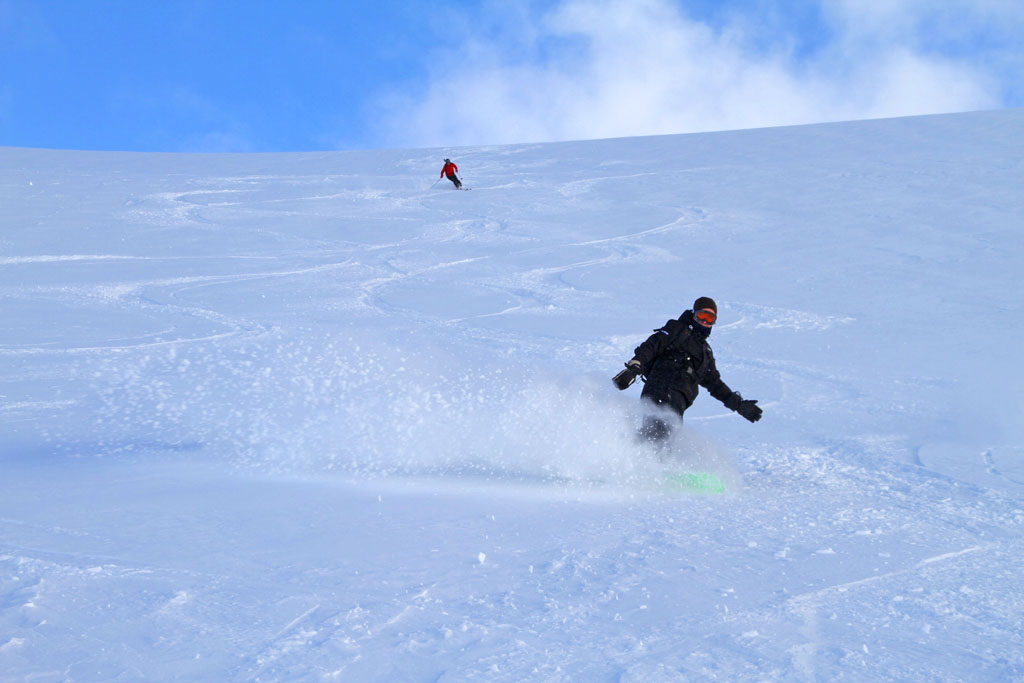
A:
(700, 482)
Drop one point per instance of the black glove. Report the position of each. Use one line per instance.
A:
(748, 409)
(625, 379)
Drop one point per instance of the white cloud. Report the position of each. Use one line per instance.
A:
(609, 68)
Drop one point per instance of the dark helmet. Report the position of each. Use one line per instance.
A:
(705, 302)
(705, 313)
(447, 161)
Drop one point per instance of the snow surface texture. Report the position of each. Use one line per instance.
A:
(311, 417)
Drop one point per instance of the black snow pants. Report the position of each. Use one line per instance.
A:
(676, 398)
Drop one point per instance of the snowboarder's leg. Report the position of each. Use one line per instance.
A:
(655, 430)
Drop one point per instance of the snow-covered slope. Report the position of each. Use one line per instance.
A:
(311, 417)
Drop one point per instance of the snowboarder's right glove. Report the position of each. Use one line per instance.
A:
(625, 379)
(748, 409)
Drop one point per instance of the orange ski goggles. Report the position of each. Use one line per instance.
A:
(705, 317)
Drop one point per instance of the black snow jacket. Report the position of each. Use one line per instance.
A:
(675, 360)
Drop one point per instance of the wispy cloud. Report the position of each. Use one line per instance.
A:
(608, 68)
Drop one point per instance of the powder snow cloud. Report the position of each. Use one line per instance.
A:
(608, 68)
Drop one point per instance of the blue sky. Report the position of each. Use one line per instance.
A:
(215, 76)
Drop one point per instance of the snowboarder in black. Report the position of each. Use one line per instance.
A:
(674, 361)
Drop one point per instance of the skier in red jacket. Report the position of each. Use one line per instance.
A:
(449, 170)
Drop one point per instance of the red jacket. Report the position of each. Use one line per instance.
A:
(449, 169)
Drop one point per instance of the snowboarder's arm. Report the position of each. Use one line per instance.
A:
(653, 347)
(643, 356)
(712, 381)
(625, 378)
